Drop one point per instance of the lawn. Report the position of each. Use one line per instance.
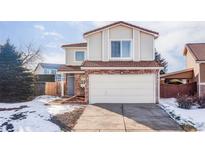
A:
(194, 117)
(36, 115)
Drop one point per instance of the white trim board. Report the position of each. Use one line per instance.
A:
(103, 43)
(75, 56)
(133, 44)
(155, 35)
(199, 78)
(75, 47)
(121, 58)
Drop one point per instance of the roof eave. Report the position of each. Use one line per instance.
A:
(155, 34)
(177, 72)
(120, 68)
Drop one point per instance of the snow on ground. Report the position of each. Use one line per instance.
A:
(194, 116)
(32, 116)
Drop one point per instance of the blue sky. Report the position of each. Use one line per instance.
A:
(51, 35)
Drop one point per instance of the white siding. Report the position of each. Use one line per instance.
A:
(136, 44)
(191, 63)
(105, 45)
(120, 32)
(146, 46)
(122, 88)
(95, 46)
(142, 43)
(39, 70)
(70, 56)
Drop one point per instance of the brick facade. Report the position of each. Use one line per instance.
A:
(88, 72)
(202, 90)
(78, 90)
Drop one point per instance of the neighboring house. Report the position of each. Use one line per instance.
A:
(115, 65)
(195, 67)
(48, 69)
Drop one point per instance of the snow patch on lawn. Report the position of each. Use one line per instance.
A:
(32, 116)
(194, 116)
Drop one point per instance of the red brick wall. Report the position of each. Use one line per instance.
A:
(87, 72)
(78, 90)
(202, 90)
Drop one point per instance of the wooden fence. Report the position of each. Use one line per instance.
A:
(171, 90)
(39, 88)
(54, 88)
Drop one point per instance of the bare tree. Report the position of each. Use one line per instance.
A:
(31, 56)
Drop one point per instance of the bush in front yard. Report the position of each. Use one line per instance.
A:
(16, 81)
(185, 102)
(201, 102)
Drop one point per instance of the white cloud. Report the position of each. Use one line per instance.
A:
(52, 45)
(48, 33)
(101, 23)
(54, 34)
(173, 37)
(39, 27)
(54, 57)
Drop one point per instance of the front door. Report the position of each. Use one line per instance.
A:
(70, 85)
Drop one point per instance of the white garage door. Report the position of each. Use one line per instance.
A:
(122, 88)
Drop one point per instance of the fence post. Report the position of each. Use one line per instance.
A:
(62, 84)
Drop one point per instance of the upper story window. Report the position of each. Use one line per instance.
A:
(120, 49)
(46, 71)
(53, 71)
(50, 71)
(79, 56)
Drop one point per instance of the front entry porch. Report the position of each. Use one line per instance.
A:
(72, 81)
(72, 84)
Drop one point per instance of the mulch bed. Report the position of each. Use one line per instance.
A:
(69, 100)
(67, 120)
(75, 99)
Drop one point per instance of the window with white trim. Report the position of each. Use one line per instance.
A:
(46, 71)
(53, 71)
(79, 56)
(121, 49)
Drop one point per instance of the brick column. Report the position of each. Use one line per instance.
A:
(78, 90)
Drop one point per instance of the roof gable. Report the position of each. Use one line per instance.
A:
(197, 50)
(49, 65)
(121, 23)
(81, 45)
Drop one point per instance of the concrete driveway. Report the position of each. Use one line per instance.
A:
(125, 117)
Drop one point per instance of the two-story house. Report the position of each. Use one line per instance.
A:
(115, 65)
(195, 67)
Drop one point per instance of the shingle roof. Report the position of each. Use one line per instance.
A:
(75, 45)
(121, 64)
(121, 22)
(197, 50)
(189, 70)
(50, 66)
(67, 68)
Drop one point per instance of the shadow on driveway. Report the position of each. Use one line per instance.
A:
(125, 117)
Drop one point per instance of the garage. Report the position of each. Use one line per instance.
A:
(122, 88)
